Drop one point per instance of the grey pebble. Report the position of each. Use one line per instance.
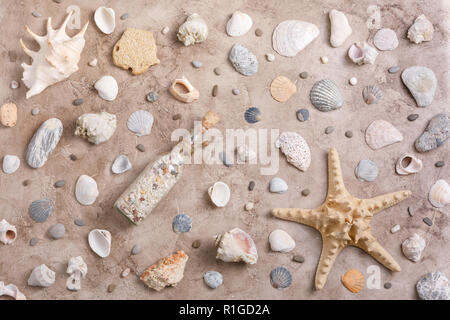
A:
(298, 259)
(213, 279)
(304, 75)
(26, 182)
(176, 116)
(217, 71)
(411, 211)
(413, 117)
(348, 134)
(78, 102)
(196, 244)
(306, 192)
(35, 111)
(439, 164)
(35, 14)
(388, 285)
(80, 222)
(235, 91)
(329, 129)
(124, 16)
(136, 249)
(196, 64)
(251, 185)
(394, 69)
(57, 231)
(152, 96)
(140, 147)
(73, 157)
(60, 183)
(215, 90)
(34, 241)
(224, 159)
(428, 221)
(302, 115)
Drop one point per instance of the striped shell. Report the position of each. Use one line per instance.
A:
(372, 94)
(252, 115)
(381, 133)
(182, 223)
(325, 96)
(40, 210)
(439, 195)
(282, 88)
(366, 170)
(353, 280)
(140, 122)
(43, 142)
(280, 278)
(385, 39)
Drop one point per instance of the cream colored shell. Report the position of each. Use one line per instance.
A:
(282, 89)
(381, 133)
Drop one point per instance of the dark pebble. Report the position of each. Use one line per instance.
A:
(329, 130)
(348, 134)
(78, 101)
(251, 185)
(196, 244)
(224, 159)
(58, 1)
(60, 183)
(35, 14)
(298, 259)
(152, 96)
(411, 211)
(140, 147)
(304, 75)
(258, 32)
(439, 164)
(12, 56)
(215, 90)
(34, 241)
(413, 117)
(388, 285)
(136, 249)
(302, 115)
(218, 71)
(428, 221)
(394, 69)
(80, 222)
(124, 16)
(177, 116)
(111, 288)
(26, 182)
(306, 192)
(73, 157)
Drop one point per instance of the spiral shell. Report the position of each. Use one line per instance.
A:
(282, 88)
(408, 164)
(353, 280)
(280, 278)
(40, 210)
(325, 96)
(372, 94)
(140, 122)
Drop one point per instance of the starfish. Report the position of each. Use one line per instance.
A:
(344, 220)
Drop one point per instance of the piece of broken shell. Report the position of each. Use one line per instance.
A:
(41, 276)
(105, 19)
(381, 133)
(236, 245)
(86, 190)
(362, 53)
(413, 247)
(184, 91)
(219, 194)
(77, 269)
(439, 195)
(121, 164)
(408, 164)
(107, 88)
(140, 123)
(11, 291)
(421, 30)
(193, 30)
(100, 242)
(8, 232)
(282, 89)
(96, 127)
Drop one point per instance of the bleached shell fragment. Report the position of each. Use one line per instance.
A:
(439, 195)
(381, 133)
(43, 142)
(8, 115)
(385, 39)
(245, 153)
(40, 210)
(41, 276)
(100, 242)
(340, 28)
(280, 278)
(422, 84)
(413, 247)
(366, 170)
(86, 191)
(295, 148)
(107, 88)
(395, 228)
(193, 30)
(184, 91)
(374, 19)
(77, 269)
(408, 164)
(362, 53)
(121, 164)
(325, 96)
(421, 30)
(292, 36)
(96, 127)
(281, 241)
(140, 122)
(219, 194)
(10, 164)
(12, 291)
(8, 232)
(372, 94)
(433, 286)
(105, 19)
(282, 88)
(239, 24)
(236, 245)
(243, 60)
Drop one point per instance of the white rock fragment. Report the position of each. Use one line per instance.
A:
(395, 228)
(421, 30)
(14, 84)
(353, 81)
(281, 241)
(340, 28)
(96, 127)
(93, 62)
(10, 164)
(324, 59)
(165, 30)
(413, 247)
(270, 57)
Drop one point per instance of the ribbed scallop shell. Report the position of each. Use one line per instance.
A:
(40, 210)
(182, 223)
(381, 133)
(121, 164)
(280, 278)
(366, 170)
(292, 36)
(282, 88)
(385, 39)
(439, 195)
(325, 96)
(252, 115)
(372, 94)
(353, 280)
(140, 122)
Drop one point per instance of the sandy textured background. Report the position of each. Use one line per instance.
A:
(155, 235)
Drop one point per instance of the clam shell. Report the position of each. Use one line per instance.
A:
(41, 276)
(252, 115)
(296, 149)
(407, 164)
(105, 19)
(366, 170)
(362, 53)
(385, 39)
(280, 278)
(433, 286)
(40, 210)
(281, 241)
(86, 190)
(278, 185)
(325, 96)
(140, 122)
(121, 164)
(372, 94)
(282, 88)
(381, 133)
(107, 88)
(439, 195)
(243, 60)
(236, 245)
(8, 232)
(292, 36)
(219, 194)
(100, 242)
(413, 247)
(353, 280)
(239, 24)
(182, 223)
(10, 164)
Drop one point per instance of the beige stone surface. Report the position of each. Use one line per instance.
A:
(155, 235)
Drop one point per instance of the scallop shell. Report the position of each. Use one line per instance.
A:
(121, 164)
(40, 210)
(182, 223)
(413, 247)
(10, 164)
(353, 280)
(325, 96)
(219, 194)
(239, 24)
(280, 278)
(107, 88)
(43, 142)
(184, 91)
(100, 242)
(292, 36)
(105, 19)
(407, 164)
(372, 94)
(439, 195)
(385, 39)
(381, 133)
(193, 30)
(282, 88)
(296, 149)
(252, 115)
(236, 245)
(86, 190)
(366, 170)
(41, 276)
(362, 53)
(8, 232)
(140, 122)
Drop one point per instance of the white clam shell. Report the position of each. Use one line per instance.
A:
(219, 194)
(295, 149)
(41, 276)
(10, 164)
(381, 133)
(86, 191)
(362, 53)
(385, 39)
(140, 122)
(413, 247)
(239, 24)
(77, 269)
(281, 241)
(340, 28)
(8, 232)
(121, 164)
(236, 245)
(105, 19)
(107, 88)
(439, 195)
(292, 36)
(408, 164)
(100, 242)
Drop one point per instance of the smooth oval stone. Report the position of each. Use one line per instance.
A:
(217, 71)
(278, 185)
(34, 241)
(80, 222)
(124, 16)
(196, 64)
(243, 60)
(60, 183)
(73, 157)
(329, 129)
(348, 134)
(422, 84)
(111, 288)
(304, 75)
(428, 221)
(215, 90)
(302, 115)
(43, 142)
(196, 244)
(439, 164)
(306, 192)
(78, 102)
(213, 279)
(394, 69)
(35, 111)
(298, 259)
(413, 117)
(136, 249)
(387, 285)
(435, 134)
(251, 185)
(411, 211)
(35, 14)
(57, 231)
(177, 116)
(140, 147)
(235, 91)
(152, 96)
(258, 32)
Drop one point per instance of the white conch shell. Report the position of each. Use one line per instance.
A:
(407, 164)
(8, 232)
(105, 19)
(86, 190)
(107, 88)
(10, 164)
(236, 245)
(56, 59)
(100, 242)
(77, 269)
(381, 133)
(292, 36)
(362, 53)
(439, 195)
(187, 94)
(11, 291)
(239, 24)
(295, 148)
(413, 247)
(193, 30)
(219, 194)
(41, 276)
(340, 28)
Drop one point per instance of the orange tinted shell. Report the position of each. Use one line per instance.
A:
(353, 280)
(282, 88)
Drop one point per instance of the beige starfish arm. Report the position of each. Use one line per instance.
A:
(374, 248)
(335, 180)
(330, 250)
(379, 203)
(303, 216)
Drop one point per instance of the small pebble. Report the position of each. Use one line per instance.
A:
(348, 134)
(270, 57)
(235, 91)
(196, 64)
(249, 206)
(124, 16)
(78, 101)
(93, 62)
(35, 14)
(395, 228)
(224, 159)
(57, 231)
(217, 71)
(353, 81)
(394, 69)
(213, 279)
(136, 249)
(215, 90)
(302, 115)
(111, 288)
(58, 1)
(14, 84)
(34, 241)
(26, 182)
(411, 211)
(140, 147)
(152, 96)
(73, 157)
(413, 117)
(165, 30)
(304, 75)
(258, 32)
(80, 222)
(439, 164)
(329, 130)
(176, 116)
(12, 56)
(428, 221)
(251, 185)
(35, 111)
(388, 285)
(60, 183)
(324, 59)
(298, 259)
(196, 244)
(306, 192)
(125, 273)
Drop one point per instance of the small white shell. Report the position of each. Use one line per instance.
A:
(407, 164)
(10, 164)
(281, 241)
(245, 154)
(100, 242)
(86, 190)
(121, 164)
(381, 133)
(295, 149)
(105, 19)
(8, 232)
(366, 170)
(292, 36)
(362, 53)
(385, 39)
(219, 194)
(107, 88)
(41, 276)
(439, 195)
(140, 122)
(239, 24)
(413, 247)
(184, 91)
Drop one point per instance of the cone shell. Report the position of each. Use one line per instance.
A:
(280, 278)
(381, 133)
(292, 36)
(140, 122)
(372, 94)
(325, 96)
(408, 164)
(353, 280)
(40, 210)
(252, 115)
(439, 195)
(282, 88)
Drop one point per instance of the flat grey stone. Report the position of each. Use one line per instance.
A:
(57, 231)
(136, 249)
(435, 134)
(422, 84)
